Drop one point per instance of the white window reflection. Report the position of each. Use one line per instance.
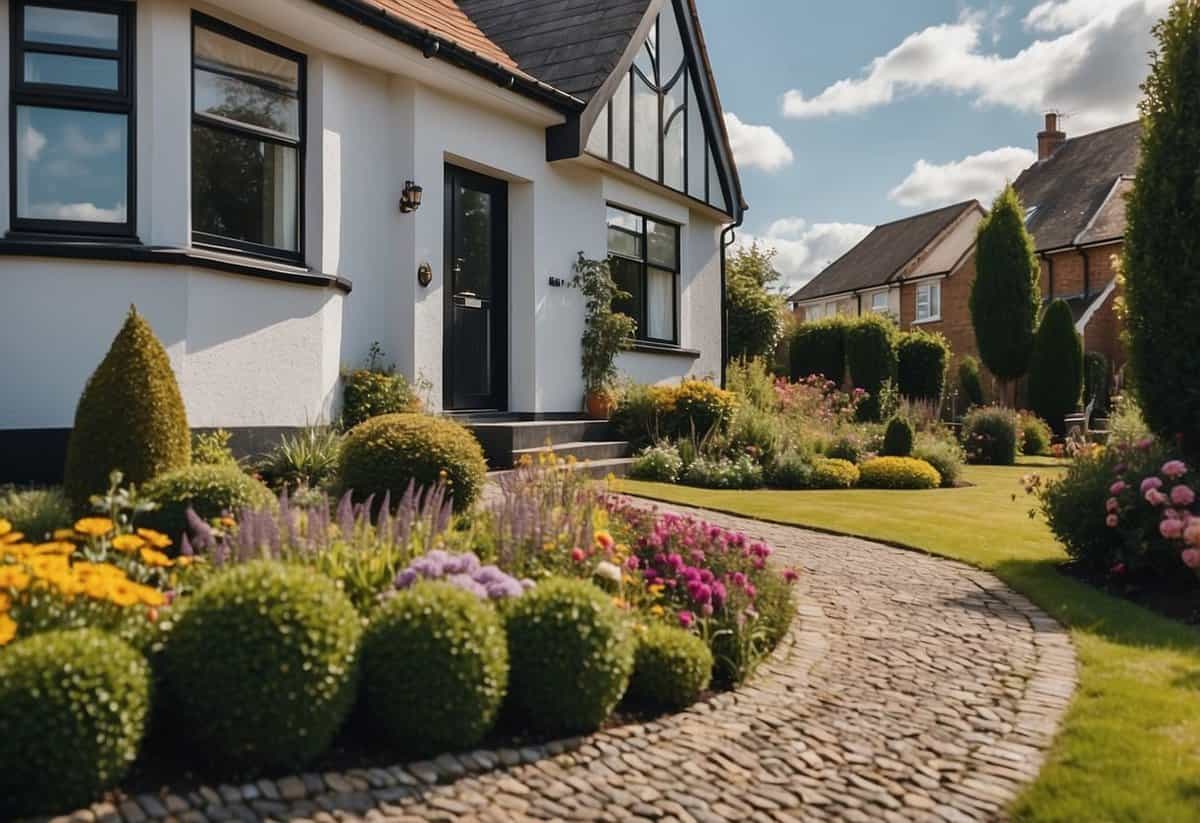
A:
(71, 165)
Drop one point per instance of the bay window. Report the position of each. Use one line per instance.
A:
(644, 256)
(929, 302)
(71, 124)
(247, 141)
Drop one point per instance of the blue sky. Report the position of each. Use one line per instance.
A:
(853, 113)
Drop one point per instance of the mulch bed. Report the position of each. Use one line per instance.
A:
(1177, 599)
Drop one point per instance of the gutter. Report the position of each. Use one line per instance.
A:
(728, 234)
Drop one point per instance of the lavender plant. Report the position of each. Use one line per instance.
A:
(464, 571)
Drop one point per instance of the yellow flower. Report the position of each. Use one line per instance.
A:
(184, 560)
(156, 539)
(5, 602)
(94, 526)
(49, 565)
(12, 577)
(604, 539)
(228, 522)
(656, 589)
(151, 596)
(16, 551)
(5, 527)
(8, 629)
(59, 547)
(152, 558)
(657, 611)
(97, 586)
(65, 534)
(10, 537)
(127, 542)
(124, 593)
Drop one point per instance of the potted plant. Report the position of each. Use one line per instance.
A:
(605, 334)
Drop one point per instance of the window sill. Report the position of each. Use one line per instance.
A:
(937, 319)
(22, 245)
(646, 347)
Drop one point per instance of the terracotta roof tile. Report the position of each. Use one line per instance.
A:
(445, 19)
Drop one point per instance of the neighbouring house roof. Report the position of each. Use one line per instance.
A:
(1079, 190)
(882, 253)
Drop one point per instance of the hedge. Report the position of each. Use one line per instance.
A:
(819, 347)
(922, 359)
(871, 359)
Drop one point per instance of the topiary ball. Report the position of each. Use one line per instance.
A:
(435, 668)
(385, 453)
(898, 473)
(570, 655)
(263, 665)
(73, 709)
(898, 439)
(671, 667)
(209, 490)
(833, 473)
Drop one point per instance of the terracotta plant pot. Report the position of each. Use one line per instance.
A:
(599, 404)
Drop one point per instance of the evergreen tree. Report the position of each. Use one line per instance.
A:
(1056, 366)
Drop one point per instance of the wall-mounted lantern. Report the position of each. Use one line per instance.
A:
(410, 198)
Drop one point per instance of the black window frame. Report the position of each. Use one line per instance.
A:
(122, 101)
(216, 242)
(642, 299)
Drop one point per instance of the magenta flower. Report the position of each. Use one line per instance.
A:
(1117, 488)
(1182, 495)
(1111, 504)
(686, 619)
(577, 554)
(632, 563)
(1156, 498)
(1191, 558)
(1151, 483)
(791, 575)
(1145, 443)
(1170, 528)
(1174, 469)
(1111, 521)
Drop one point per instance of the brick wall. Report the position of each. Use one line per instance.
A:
(1069, 271)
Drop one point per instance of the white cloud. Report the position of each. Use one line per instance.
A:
(804, 249)
(978, 176)
(759, 146)
(1090, 71)
(77, 211)
(31, 142)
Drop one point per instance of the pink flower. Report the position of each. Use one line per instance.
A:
(686, 619)
(1170, 528)
(1117, 488)
(1174, 469)
(1118, 568)
(1111, 504)
(632, 563)
(577, 554)
(1156, 498)
(1111, 521)
(1145, 443)
(1191, 558)
(1182, 496)
(791, 575)
(1151, 483)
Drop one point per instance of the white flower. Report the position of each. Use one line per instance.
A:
(608, 571)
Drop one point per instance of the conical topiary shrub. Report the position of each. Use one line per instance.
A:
(130, 416)
(1056, 366)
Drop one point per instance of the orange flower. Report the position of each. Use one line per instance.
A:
(56, 547)
(10, 537)
(152, 597)
(124, 593)
(5, 527)
(156, 539)
(8, 629)
(65, 534)
(94, 526)
(127, 542)
(152, 558)
(12, 577)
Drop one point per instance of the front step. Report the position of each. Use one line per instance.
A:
(597, 469)
(580, 450)
(506, 441)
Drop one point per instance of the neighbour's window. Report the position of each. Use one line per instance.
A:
(644, 255)
(929, 301)
(247, 141)
(879, 301)
(71, 128)
(814, 312)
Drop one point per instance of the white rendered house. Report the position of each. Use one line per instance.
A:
(246, 172)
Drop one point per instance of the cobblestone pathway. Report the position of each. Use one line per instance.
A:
(911, 688)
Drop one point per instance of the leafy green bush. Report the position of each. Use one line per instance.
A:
(1126, 426)
(306, 459)
(741, 472)
(1035, 434)
(832, 473)
(212, 448)
(969, 381)
(871, 360)
(671, 667)
(387, 452)
(638, 415)
(570, 655)
(130, 417)
(790, 471)
(755, 314)
(697, 407)
(262, 665)
(848, 447)
(210, 491)
(73, 710)
(1074, 507)
(1056, 366)
(756, 432)
(898, 439)
(944, 455)
(753, 382)
(374, 390)
(922, 359)
(35, 512)
(989, 435)
(898, 473)
(819, 347)
(435, 668)
(660, 463)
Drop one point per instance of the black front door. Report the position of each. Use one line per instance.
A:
(475, 349)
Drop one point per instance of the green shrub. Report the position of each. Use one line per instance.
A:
(1035, 434)
(660, 463)
(435, 668)
(671, 667)
(753, 382)
(638, 415)
(754, 312)
(262, 665)
(969, 382)
(898, 439)
(741, 472)
(922, 359)
(1097, 383)
(790, 471)
(1074, 508)
(989, 436)
(385, 453)
(819, 347)
(212, 448)
(73, 710)
(130, 417)
(307, 459)
(871, 360)
(944, 455)
(697, 407)
(832, 473)
(1056, 366)
(210, 491)
(848, 447)
(570, 655)
(367, 394)
(756, 432)
(898, 473)
(35, 512)
(1126, 426)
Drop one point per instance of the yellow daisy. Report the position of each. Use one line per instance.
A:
(5, 527)
(156, 539)
(128, 542)
(5, 602)
(58, 547)
(65, 534)
(8, 629)
(152, 558)
(94, 526)
(151, 596)
(124, 593)
(10, 537)
(97, 586)
(12, 577)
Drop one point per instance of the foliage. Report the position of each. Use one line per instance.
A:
(1056, 366)
(819, 348)
(1162, 250)
(969, 381)
(263, 664)
(660, 462)
(375, 389)
(435, 668)
(1127, 424)
(1035, 434)
(130, 416)
(697, 407)
(1006, 292)
(756, 432)
(570, 655)
(73, 710)
(606, 332)
(212, 448)
(898, 473)
(790, 471)
(898, 439)
(1097, 383)
(871, 360)
(922, 359)
(848, 447)
(945, 455)
(386, 453)
(989, 435)
(834, 473)
(1074, 507)
(671, 667)
(210, 491)
(638, 415)
(35, 512)
(754, 313)
(740, 472)
(306, 459)
(752, 382)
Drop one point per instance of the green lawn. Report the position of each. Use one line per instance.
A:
(1130, 746)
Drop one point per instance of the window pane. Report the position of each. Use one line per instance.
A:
(243, 188)
(647, 55)
(221, 53)
(66, 70)
(624, 233)
(620, 132)
(235, 99)
(71, 165)
(670, 45)
(660, 304)
(598, 140)
(473, 256)
(935, 300)
(673, 151)
(69, 27)
(697, 146)
(661, 239)
(879, 301)
(628, 276)
(716, 197)
(645, 129)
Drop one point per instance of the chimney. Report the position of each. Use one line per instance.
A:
(1050, 139)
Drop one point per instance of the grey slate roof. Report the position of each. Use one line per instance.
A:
(1072, 185)
(882, 253)
(572, 45)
